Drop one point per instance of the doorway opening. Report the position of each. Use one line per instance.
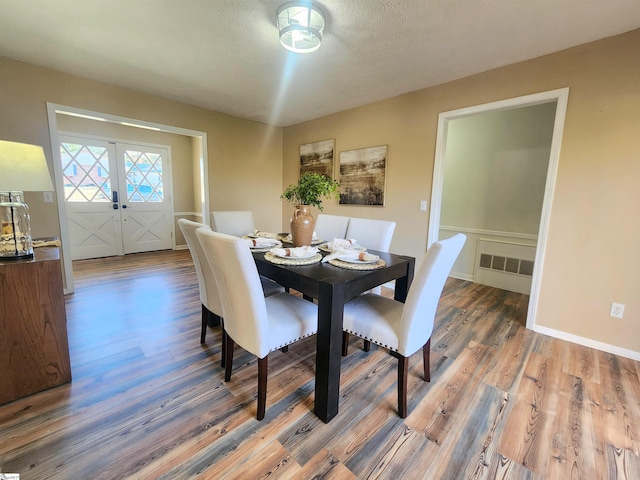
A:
(198, 178)
(518, 254)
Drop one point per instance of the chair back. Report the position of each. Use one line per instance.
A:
(373, 234)
(329, 227)
(232, 222)
(243, 305)
(206, 280)
(422, 300)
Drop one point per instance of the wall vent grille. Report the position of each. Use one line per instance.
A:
(501, 263)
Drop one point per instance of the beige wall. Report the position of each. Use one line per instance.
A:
(245, 157)
(592, 256)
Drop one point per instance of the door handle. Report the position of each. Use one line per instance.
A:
(115, 196)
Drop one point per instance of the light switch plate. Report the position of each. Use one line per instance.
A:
(47, 197)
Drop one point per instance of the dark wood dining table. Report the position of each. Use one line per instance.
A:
(333, 286)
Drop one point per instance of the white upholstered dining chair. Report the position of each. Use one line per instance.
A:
(370, 233)
(404, 328)
(373, 234)
(329, 227)
(232, 222)
(259, 325)
(209, 295)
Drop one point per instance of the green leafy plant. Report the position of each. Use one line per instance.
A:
(310, 190)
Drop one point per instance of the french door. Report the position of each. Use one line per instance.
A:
(116, 197)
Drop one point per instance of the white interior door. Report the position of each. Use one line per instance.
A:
(145, 205)
(116, 197)
(89, 176)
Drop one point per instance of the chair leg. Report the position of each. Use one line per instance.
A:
(203, 329)
(403, 371)
(230, 344)
(345, 343)
(223, 356)
(214, 320)
(426, 349)
(367, 345)
(262, 386)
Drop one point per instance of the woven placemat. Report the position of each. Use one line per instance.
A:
(357, 266)
(317, 241)
(292, 261)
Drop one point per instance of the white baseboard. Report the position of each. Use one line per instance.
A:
(587, 342)
(181, 247)
(462, 276)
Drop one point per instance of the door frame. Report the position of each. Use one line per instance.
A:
(54, 109)
(561, 97)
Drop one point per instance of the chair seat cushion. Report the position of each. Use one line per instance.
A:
(374, 318)
(290, 318)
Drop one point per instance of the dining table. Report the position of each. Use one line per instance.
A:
(333, 286)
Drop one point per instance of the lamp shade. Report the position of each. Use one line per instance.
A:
(23, 168)
(300, 25)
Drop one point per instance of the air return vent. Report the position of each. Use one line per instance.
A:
(505, 265)
(518, 266)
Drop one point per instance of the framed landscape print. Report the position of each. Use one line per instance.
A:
(363, 176)
(317, 157)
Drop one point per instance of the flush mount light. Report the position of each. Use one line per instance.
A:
(300, 25)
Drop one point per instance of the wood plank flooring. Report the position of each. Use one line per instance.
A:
(147, 401)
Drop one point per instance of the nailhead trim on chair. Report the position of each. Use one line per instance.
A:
(292, 341)
(364, 337)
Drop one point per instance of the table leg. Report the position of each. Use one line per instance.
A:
(403, 284)
(328, 350)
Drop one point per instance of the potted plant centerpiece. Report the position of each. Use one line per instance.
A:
(309, 191)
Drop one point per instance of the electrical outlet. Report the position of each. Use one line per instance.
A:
(617, 310)
(423, 205)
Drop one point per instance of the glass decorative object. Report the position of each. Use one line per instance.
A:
(15, 230)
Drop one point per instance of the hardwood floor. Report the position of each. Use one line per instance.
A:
(147, 401)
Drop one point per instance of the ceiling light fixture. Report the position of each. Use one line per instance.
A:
(300, 25)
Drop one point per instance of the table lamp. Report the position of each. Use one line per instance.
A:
(22, 168)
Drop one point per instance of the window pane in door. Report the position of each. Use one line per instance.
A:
(86, 173)
(144, 176)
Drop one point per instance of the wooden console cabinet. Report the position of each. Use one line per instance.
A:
(34, 348)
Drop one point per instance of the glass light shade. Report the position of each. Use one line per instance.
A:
(24, 168)
(15, 227)
(300, 26)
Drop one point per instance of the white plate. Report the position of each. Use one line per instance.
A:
(324, 247)
(356, 260)
(295, 258)
(275, 245)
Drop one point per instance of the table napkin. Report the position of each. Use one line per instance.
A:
(257, 233)
(262, 242)
(351, 254)
(341, 244)
(294, 252)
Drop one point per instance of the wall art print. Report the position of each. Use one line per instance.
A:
(317, 157)
(363, 176)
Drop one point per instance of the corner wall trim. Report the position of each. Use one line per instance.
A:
(587, 342)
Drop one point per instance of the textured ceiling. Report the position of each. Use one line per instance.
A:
(225, 55)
